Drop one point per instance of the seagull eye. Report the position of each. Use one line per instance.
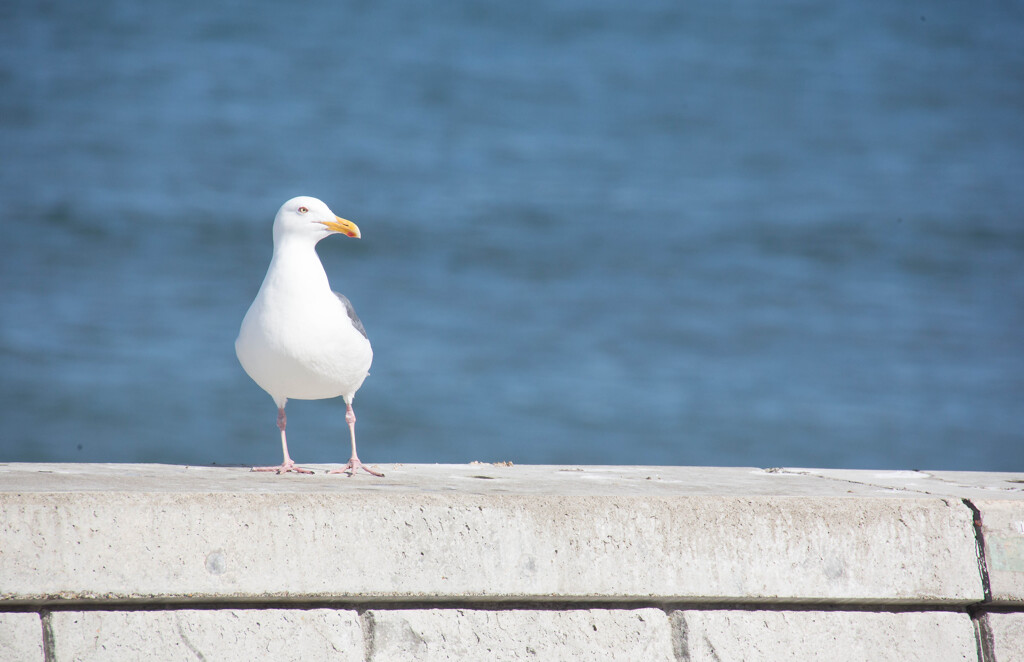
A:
(302, 210)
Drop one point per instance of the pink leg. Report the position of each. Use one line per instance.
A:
(353, 464)
(288, 464)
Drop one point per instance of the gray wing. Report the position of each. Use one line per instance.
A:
(352, 314)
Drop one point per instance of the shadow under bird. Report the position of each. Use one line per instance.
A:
(300, 340)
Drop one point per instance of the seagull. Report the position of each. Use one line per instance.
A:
(299, 339)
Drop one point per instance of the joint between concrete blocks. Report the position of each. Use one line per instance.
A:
(979, 542)
(48, 644)
(368, 626)
(984, 638)
(678, 633)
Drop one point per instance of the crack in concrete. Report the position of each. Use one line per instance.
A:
(883, 486)
(996, 490)
(711, 649)
(188, 644)
(849, 481)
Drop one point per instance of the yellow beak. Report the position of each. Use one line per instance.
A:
(347, 228)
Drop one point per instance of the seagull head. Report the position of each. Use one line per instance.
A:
(308, 217)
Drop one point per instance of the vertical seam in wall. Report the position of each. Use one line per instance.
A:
(367, 624)
(979, 542)
(47, 628)
(678, 633)
(984, 639)
(982, 632)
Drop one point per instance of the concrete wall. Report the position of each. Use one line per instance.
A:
(439, 562)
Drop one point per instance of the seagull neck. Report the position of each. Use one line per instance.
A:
(298, 259)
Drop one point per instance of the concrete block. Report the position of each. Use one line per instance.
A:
(227, 534)
(514, 634)
(1004, 635)
(829, 636)
(21, 638)
(999, 498)
(216, 634)
(1003, 532)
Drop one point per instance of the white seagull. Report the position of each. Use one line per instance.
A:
(299, 339)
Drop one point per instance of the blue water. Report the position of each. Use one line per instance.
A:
(654, 233)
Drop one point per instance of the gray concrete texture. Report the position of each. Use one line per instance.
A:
(1003, 529)
(21, 637)
(473, 634)
(216, 634)
(829, 636)
(426, 532)
(1002, 637)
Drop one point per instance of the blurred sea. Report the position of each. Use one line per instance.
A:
(736, 233)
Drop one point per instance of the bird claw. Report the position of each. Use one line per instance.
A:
(354, 465)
